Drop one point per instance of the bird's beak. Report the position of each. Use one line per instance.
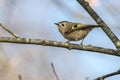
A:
(56, 24)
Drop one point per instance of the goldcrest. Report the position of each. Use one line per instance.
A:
(74, 31)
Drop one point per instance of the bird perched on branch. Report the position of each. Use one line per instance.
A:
(74, 31)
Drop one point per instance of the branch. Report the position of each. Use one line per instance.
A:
(60, 44)
(108, 75)
(53, 68)
(98, 20)
(9, 31)
(20, 77)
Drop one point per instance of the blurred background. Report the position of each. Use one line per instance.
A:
(35, 19)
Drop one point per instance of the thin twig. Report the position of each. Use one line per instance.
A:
(20, 77)
(98, 20)
(53, 68)
(9, 31)
(108, 75)
(61, 44)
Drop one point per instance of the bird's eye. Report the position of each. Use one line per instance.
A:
(62, 24)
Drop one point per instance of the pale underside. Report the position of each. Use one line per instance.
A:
(77, 35)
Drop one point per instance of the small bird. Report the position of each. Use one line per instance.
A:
(74, 31)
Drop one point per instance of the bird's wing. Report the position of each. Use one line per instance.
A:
(81, 27)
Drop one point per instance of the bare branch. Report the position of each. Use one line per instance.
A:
(60, 44)
(9, 31)
(53, 68)
(98, 20)
(108, 75)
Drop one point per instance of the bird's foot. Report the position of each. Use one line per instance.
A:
(81, 43)
(89, 45)
(67, 42)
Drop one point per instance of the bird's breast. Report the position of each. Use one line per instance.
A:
(76, 35)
